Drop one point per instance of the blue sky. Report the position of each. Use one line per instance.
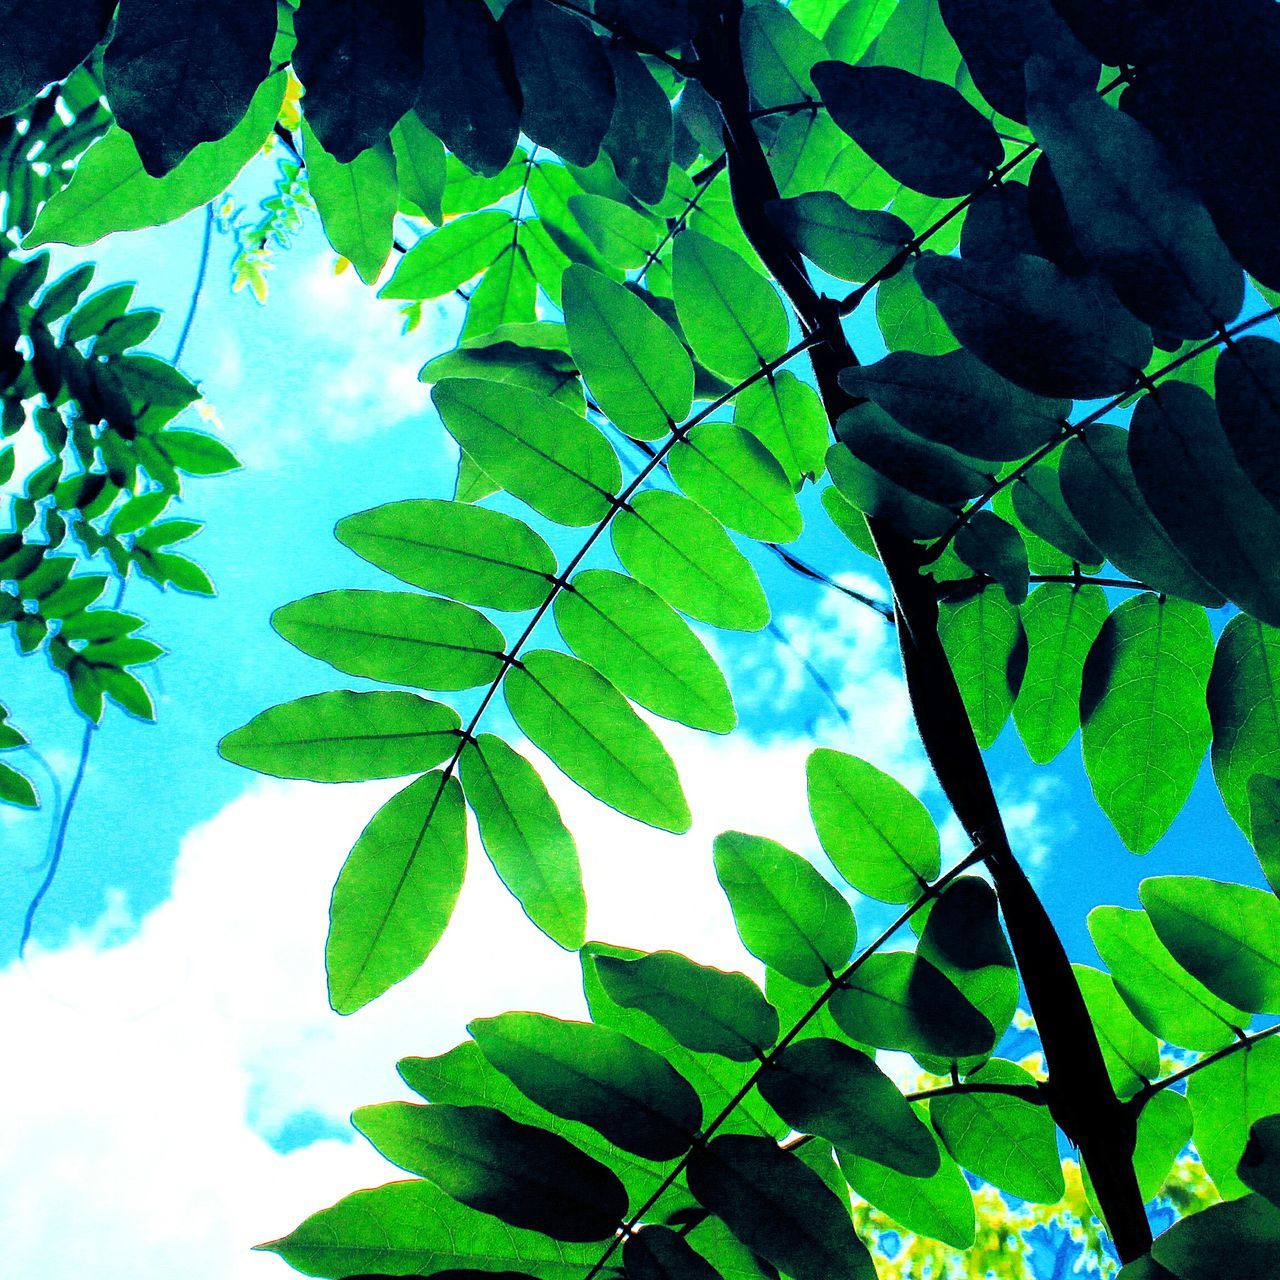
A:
(182, 1079)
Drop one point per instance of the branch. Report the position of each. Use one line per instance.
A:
(1244, 1042)
(703, 181)
(1147, 383)
(1035, 1092)
(834, 983)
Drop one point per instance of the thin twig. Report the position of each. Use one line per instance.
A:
(1243, 1042)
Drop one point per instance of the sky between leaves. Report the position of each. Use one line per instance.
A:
(174, 1070)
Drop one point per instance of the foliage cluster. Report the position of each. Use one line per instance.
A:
(1064, 460)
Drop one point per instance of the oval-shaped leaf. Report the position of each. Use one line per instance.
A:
(644, 648)
(779, 1208)
(786, 415)
(637, 369)
(1142, 708)
(1244, 709)
(672, 545)
(706, 1010)
(848, 243)
(659, 1253)
(395, 637)
(396, 891)
(1162, 995)
(597, 1076)
(535, 448)
(530, 847)
(446, 259)
(1054, 334)
(876, 833)
(1131, 1052)
(732, 317)
(1247, 390)
(1227, 935)
(787, 914)
(830, 1089)
(589, 730)
(956, 400)
(729, 472)
(461, 551)
(346, 737)
(982, 634)
(529, 1177)
(1061, 622)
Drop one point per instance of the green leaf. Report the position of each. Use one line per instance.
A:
(1130, 213)
(778, 55)
(528, 844)
(1166, 999)
(729, 472)
(1131, 1052)
(445, 259)
(535, 448)
(848, 243)
(644, 648)
(955, 400)
(1188, 475)
(16, 788)
(1145, 725)
(1227, 935)
(464, 552)
(641, 133)
(963, 940)
(571, 712)
(876, 494)
(413, 1226)
(1226, 1098)
(1054, 334)
(1247, 386)
(983, 637)
(395, 637)
(420, 165)
(787, 417)
(907, 319)
(897, 1000)
(506, 295)
(469, 97)
(939, 1207)
(396, 891)
(779, 1208)
(593, 1074)
(569, 114)
(994, 549)
(920, 131)
(787, 915)
(464, 1077)
(356, 202)
(733, 318)
(623, 235)
(704, 1009)
(830, 1089)
(1038, 503)
(672, 545)
(1007, 1141)
(1061, 622)
(531, 1178)
(1247, 1232)
(877, 834)
(717, 1080)
(346, 737)
(361, 66)
(111, 191)
(657, 1253)
(1264, 824)
(196, 453)
(1245, 712)
(1100, 491)
(637, 369)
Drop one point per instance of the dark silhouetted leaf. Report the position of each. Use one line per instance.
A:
(920, 131)
(44, 43)
(1247, 385)
(641, 133)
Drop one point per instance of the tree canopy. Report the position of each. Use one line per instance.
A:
(1063, 456)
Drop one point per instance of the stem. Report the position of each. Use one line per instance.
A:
(834, 983)
(1080, 1096)
(1245, 1042)
(1027, 1092)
